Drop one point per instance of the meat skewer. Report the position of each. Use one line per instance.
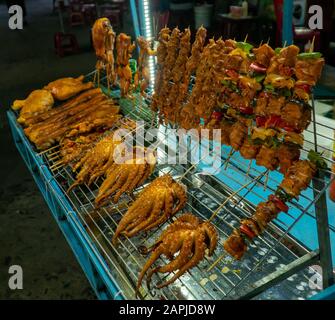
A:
(142, 76)
(297, 179)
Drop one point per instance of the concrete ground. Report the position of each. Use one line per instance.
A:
(29, 236)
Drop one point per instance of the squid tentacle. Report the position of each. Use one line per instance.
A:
(154, 256)
(104, 188)
(199, 253)
(184, 254)
(131, 176)
(153, 216)
(130, 216)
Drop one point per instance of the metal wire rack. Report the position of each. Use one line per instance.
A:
(272, 257)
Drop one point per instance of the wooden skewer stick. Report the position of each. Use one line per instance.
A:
(267, 42)
(311, 49)
(232, 195)
(95, 76)
(56, 168)
(47, 150)
(53, 153)
(246, 37)
(188, 170)
(153, 115)
(248, 170)
(285, 44)
(266, 179)
(232, 151)
(58, 164)
(54, 157)
(216, 262)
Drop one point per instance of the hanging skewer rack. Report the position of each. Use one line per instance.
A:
(277, 265)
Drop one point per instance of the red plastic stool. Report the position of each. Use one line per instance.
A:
(65, 43)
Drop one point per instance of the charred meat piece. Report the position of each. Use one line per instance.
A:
(309, 69)
(264, 54)
(261, 104)
(249, 150)
(287, 154)
(237, 135)
(275, 105)
(283, 63)
(296, 116)
(235, 245)
(249, 87)
(265, 213)
(232, 62)
(267, 157)
(298, 177)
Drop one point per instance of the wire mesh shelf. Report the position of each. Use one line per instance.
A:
(218, 277)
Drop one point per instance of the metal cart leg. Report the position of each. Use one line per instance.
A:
(321, 213)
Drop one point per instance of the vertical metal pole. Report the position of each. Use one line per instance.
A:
(135, 17)
(287, 32)
(321, 213)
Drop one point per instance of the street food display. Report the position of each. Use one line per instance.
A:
(258, 97)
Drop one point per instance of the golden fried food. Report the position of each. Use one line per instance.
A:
(96, 161)
(103, 38)
(37, 102)
(126, 176)
(184, 242)
(124, 49)
(66, 88)
(159, 201)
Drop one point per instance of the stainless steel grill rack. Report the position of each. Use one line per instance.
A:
(273, 257)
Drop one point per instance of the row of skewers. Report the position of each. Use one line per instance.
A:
(257, 98)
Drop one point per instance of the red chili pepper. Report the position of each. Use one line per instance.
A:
(279, 203)
(217, 115)
(273, 121)
(246, 230)
(288, 128)
(305, 87)
(246, 110)
(260, 121)
(232, 73)
(257, 68)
